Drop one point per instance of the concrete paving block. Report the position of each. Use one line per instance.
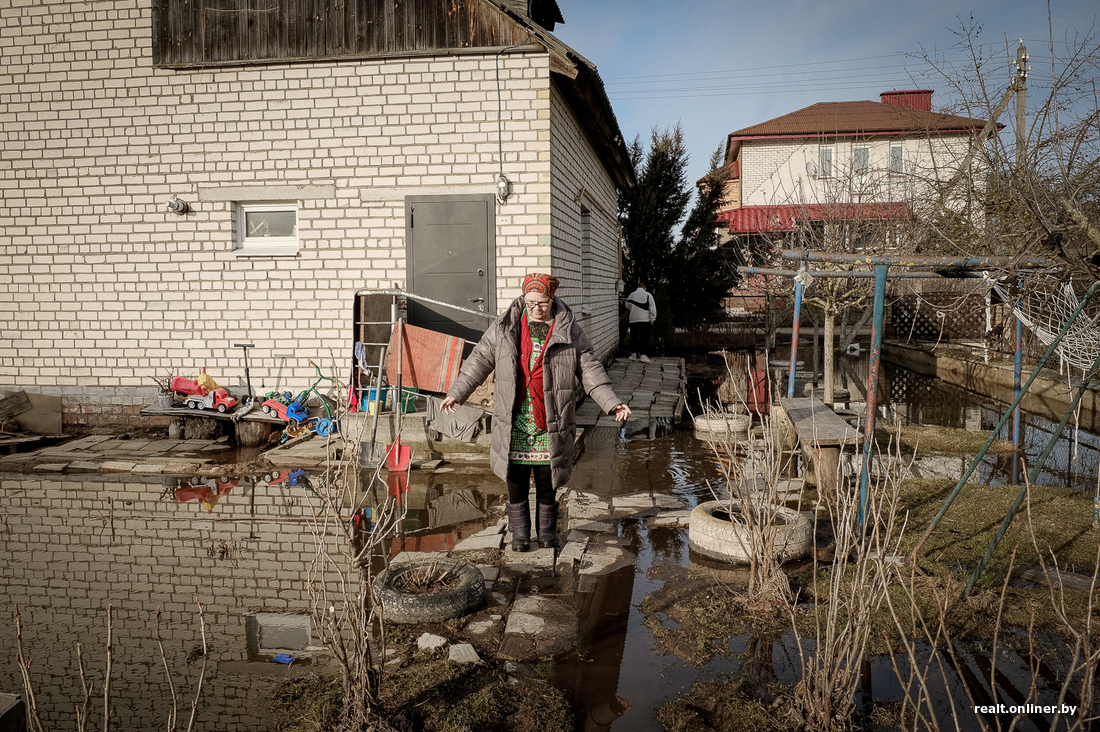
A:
(117, 466)
(430, 641)
(51, 467)
(672, 518)
(489, 572)
(84, 466)
(585, 525)
(417, 557)
(498, 528)
(534, 559)
(572, 550)
(538, 627)
(148, 468)
(482, 627)
(464, 653)
(476, 543)
(605, 560)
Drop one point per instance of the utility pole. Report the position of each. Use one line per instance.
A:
(1019, 84)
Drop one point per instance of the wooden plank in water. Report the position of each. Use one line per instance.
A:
(817, 424)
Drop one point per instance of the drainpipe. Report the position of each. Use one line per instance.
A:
(871, 409)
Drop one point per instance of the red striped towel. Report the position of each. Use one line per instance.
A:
(429, 360)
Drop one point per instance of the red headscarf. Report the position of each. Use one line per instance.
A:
(541, 283)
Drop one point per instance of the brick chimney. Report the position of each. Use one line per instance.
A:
(913, 99)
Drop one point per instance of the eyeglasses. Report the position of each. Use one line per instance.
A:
(539, 304)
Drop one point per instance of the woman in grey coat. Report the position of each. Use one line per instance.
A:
(539, 352)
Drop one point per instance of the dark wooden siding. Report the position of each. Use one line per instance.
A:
(189, 32)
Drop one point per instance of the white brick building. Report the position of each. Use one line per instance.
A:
(297, 146)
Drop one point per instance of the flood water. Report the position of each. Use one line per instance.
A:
(242, 547)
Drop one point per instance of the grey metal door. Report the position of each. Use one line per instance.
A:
(449, 245)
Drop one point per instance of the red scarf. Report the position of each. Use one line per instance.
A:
(530, 377)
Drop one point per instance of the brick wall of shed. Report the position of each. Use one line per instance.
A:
(579, 182)
(102, 287)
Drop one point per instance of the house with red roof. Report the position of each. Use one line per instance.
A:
(843, 161)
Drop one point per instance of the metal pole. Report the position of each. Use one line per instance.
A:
(872, 386)
(1017, 436)
(1004, 420)
(1032, 476)
(794, 336)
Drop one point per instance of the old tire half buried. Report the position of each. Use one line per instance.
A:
(712, 534)
(430, 607)
(723, 425)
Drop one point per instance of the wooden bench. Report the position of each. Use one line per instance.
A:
(810, 421)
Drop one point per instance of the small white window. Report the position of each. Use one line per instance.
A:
(897, 158)
(267, 229)
(825, 162)
(861, 160)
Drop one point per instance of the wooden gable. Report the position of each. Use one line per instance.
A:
(216, 32)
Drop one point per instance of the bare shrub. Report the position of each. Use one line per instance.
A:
(847, 595)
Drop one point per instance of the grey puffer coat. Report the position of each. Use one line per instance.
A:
(568, 359)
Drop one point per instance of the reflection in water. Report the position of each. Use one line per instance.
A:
(72, 545)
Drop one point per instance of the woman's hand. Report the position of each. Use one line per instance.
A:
(448, 405)
(621, 412)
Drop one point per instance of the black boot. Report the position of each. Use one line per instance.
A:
(519, 523)
(548, 525)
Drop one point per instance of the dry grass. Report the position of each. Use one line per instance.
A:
(940, 440)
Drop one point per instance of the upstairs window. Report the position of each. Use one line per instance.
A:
(897, 158)
(861, 160)
(267, 229)
(825, 162)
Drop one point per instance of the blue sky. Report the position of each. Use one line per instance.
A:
(715, 67)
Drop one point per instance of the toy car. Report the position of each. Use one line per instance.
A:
(218, 399)
(274, 408)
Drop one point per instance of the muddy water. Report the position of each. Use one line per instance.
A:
(242, 547)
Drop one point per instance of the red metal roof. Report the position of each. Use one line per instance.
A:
(767, 219)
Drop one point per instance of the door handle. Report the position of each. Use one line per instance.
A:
(477, 299)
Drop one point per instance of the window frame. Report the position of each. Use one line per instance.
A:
(862, 169)
(265, 246)
(900, 170)
(823, 170)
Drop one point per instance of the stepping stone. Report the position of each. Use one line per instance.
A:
(477, 542)
(538, 627)
(117, 466)
(429, 642)
(51, 467)
(464, 653)
(84, 466)
(605, 560)
(148, 469)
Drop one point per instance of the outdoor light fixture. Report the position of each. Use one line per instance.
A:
(504, 188)
(178, 206)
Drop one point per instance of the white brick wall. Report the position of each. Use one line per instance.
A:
(578, 180)
(102, 287)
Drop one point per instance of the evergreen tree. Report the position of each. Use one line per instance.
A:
(701, 271)
(650, 211)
